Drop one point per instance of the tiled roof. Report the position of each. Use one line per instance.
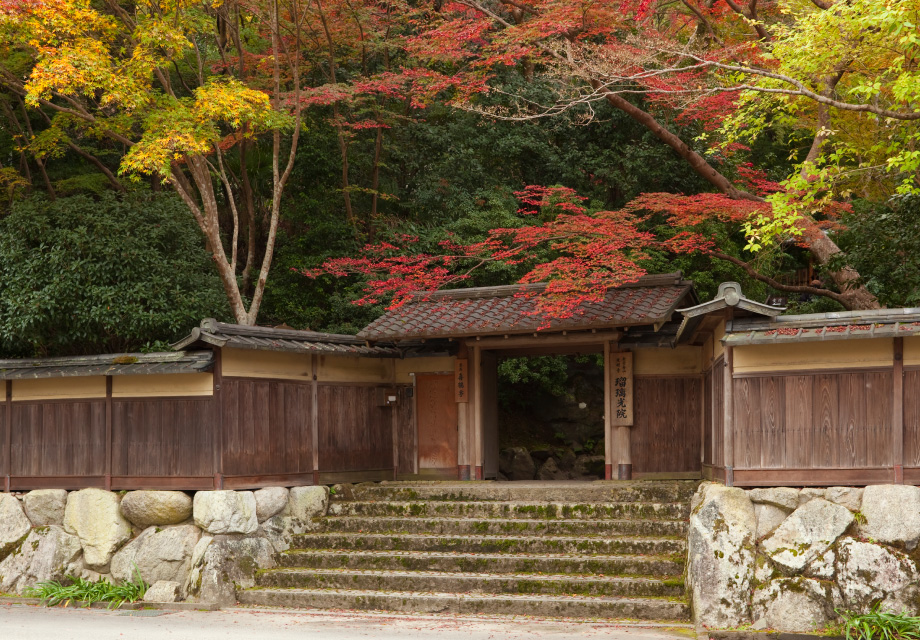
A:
(502, 310)
(841, 325)
(122, 364)
(221, 334)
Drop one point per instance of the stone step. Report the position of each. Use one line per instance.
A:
(602, 565)
(447, 582)
(515, 510)
(490, 544)
(498, 526)
(584, 492)
(500, 604)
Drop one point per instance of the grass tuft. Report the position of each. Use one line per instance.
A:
(880, 625)
(85, 592)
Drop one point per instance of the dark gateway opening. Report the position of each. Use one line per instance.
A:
(551, 417)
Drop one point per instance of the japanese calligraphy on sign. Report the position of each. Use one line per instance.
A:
(461, 381)
(621, 381)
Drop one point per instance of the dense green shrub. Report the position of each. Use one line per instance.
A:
(100, 274)
(78, 591)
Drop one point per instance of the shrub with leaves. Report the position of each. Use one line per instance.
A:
(880, 625)
(78, 591)
(87, 275)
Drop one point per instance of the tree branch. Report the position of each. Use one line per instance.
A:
(779, 286)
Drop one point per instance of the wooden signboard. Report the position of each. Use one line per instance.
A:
(621, 381)
(461, 380)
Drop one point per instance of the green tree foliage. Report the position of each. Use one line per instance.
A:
(86, 275)
(882, 242)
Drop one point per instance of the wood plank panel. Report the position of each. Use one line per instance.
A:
(851, 433)
(437, 421)
(747, 424)
(879, 387)
(354, 434)
(773, 423)
(666, 434)
(405, 431)
(825, 422)
(911, 419)
(58, 439)
(162, 437)
(798, 411)
(267, 427)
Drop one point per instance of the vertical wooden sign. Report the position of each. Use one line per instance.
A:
(621, 380)
(461, 380)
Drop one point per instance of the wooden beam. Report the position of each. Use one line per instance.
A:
(314, 417)
(217, 439)
(609, 448)
(394, 420)
(8, 445)
(415, 468)
(728, 433)
(476, 441)
(703, 401)
(624, 468)
(108, 433)
(539, 340)
(463, 425)
(548, 351)
(897, 414)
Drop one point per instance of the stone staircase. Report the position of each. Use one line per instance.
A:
(552, 549)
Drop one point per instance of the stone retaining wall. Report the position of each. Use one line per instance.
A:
(788, 559)
(189, 548)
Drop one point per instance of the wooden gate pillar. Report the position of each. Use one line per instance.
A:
(728, 421)
(618, 374)
(610, 450)
(477, 414)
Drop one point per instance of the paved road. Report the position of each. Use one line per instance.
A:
(18, 622)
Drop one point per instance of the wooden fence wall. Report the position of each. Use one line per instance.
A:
(252, 432)
(815, 427)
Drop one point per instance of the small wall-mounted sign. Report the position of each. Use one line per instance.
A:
(387, 397)
(461, 380)
(621, 381)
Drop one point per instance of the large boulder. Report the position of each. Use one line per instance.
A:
(824, 567)
(783, 497)
(158, 554)
(228, 562)
(163, 591)
(94, 516)
(517, 464)
(45, 506)
(45, 554)
(849, 497)
(868, 573)
(769, 517)
(794, 604)
(892, 514)
(148, 508)
(549, 470)
(721, 556)
(220, 512)
(14, 525)
(810, 493)
(270, 501)
(304, 504)
(808, 532)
